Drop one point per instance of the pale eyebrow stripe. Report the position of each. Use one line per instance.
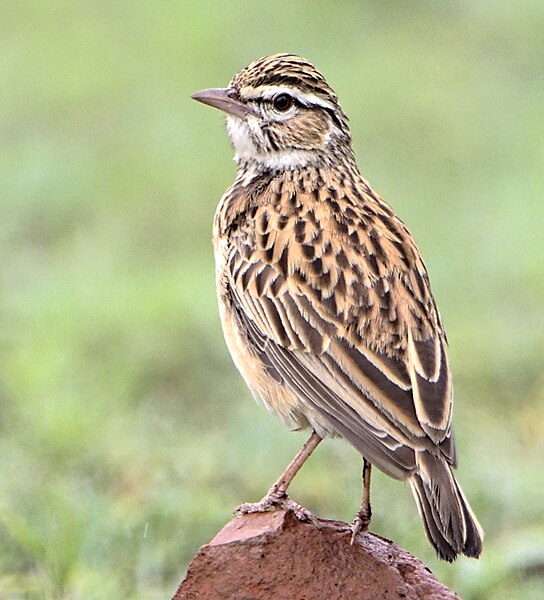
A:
(267, 92)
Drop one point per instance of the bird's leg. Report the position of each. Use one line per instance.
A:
(362, 517)
(277, 494)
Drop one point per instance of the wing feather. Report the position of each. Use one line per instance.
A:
(393, 457)
(358, 340)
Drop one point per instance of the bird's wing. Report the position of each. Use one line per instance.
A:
(343, 315)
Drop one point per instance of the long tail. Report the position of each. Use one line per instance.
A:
(450, 524)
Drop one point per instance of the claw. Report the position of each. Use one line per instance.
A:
(277, 500)
(360, 523)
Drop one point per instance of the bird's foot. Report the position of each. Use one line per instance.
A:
(277, 499)
(361, 522)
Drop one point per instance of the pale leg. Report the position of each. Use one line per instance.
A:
(363, 515)
(277, 494)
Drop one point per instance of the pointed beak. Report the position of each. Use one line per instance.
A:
(224, 99)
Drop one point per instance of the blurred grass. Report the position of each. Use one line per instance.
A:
(126, 437)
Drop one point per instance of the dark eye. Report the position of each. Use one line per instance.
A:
(282, 102)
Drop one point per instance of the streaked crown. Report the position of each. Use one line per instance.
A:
(287, 72)
(282, 113)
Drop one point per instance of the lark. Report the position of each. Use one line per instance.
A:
(325, 301)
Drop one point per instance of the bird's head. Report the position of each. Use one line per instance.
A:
(281, 113)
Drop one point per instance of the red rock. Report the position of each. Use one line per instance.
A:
(272, 555)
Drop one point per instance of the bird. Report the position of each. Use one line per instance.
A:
(325, 301)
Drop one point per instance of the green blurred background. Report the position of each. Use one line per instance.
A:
(126, 436)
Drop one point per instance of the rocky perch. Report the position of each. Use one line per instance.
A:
(272, 555)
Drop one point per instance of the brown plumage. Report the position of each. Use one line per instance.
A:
(324, 298)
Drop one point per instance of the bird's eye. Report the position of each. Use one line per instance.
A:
(282, 102)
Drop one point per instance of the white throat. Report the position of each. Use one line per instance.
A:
(242, 135)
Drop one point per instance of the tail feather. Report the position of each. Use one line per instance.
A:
(450, 524)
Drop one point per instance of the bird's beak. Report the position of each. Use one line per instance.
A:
(224, 99)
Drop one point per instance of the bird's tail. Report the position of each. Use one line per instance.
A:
(450, 524)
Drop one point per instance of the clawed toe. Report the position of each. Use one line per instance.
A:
(300, 512)
(277, 500)
(360, 523)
